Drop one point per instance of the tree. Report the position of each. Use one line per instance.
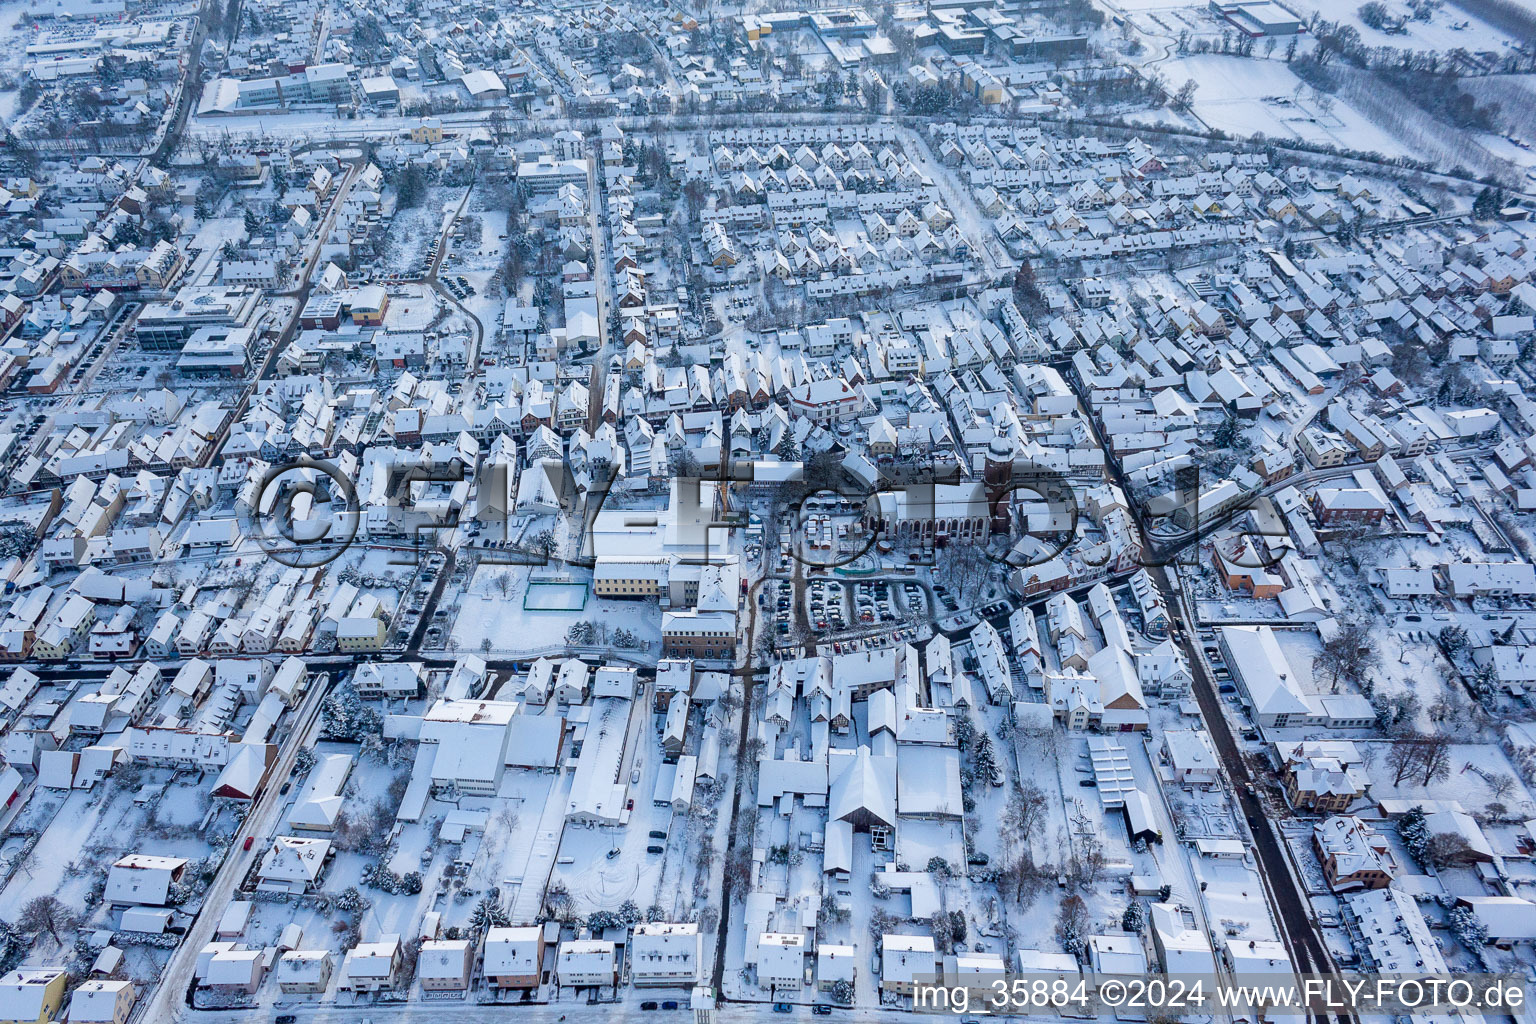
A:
(406, 976)
(1446, 848)
(842, 992)
(1071, 923)
(1414, 831)
(983, 761)
(1026, 291)
(1374, 14)
(1396, 713)
(1348, 655)
(965, 732)
(413, 186)
(1487, 203)
(1484, 680)
(1134, 919)
(1436, 759)
(1024, 814)
(1402, 759)
(1186, 95)
(1453, 638)
(350, 901)
(45, 914)
(1472, 932)
(489, 913)
(344, 716)
(943, 939)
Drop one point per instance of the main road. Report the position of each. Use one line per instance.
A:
(1288, 904)
(168, 1000)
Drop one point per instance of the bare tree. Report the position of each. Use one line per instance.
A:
(1402, 759)
(46, 914)
(1445, 848)
(1024, 814)
(1072, 924)
(1436, 758)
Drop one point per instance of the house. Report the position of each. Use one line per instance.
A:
(1353, 854)
(320, 803)
(906, 960)
(469, 739)
(1116, 956)
(1182, 949)
(31, 996)
(143, 880)
(233, 973)
(292, 864)
(102, 1001)
(369, 306)
(371, 966)
(305, 971)
(1336, 506)
(835, 963)
(662, 953)
(781, 960)
(1322, 777)
(390, 680)
(705, 635)
(443, 965)
(1191, 759)
(586, 963)
(513, 957)
(360, 633)
(1395, 937)
(1495, 580)
(977, 972)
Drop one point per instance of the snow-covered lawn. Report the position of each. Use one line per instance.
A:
(1472, 765)
(488, 612)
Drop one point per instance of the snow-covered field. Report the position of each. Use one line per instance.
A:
(1447, 29)
(1244, 96)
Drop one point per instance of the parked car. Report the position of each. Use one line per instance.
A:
(783, 1008)
(649, 1004)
